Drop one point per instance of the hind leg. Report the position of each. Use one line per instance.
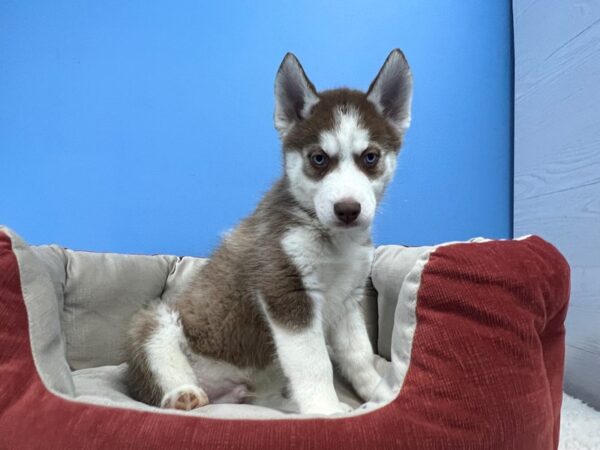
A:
(222, 381)
(159, 371)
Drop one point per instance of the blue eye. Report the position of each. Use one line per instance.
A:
(370, 158)
(319, 159)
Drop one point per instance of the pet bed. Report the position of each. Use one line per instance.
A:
(471, 337)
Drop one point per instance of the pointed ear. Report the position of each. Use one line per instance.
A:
(391, 91)
(295, 95)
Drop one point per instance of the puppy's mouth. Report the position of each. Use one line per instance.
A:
(344, 225)
(357, 225)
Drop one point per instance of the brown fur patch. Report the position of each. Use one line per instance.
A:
(219, 312)
(322, 117)
(140, 380)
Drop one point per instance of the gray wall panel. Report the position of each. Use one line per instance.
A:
(557, 160)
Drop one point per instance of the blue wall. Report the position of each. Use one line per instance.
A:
(147, 126)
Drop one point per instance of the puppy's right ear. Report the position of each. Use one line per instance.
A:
(295, 95)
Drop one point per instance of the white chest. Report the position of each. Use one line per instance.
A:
(331, 271)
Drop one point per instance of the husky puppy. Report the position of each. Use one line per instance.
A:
(284, 288)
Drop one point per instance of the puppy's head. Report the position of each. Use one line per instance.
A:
(340, 146)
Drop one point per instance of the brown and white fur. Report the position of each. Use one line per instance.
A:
(282, 293)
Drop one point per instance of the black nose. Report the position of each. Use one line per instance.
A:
(347, 211)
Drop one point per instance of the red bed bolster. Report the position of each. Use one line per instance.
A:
(486, 371)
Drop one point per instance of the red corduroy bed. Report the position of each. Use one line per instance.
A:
(474, 333)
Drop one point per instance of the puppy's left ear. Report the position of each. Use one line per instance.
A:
(295, 95)
(391, 91)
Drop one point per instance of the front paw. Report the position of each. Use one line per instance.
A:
(327, 409)
(346, 408)
(186, 398)
(366, 386)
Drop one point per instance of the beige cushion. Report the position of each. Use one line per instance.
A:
(79, 305)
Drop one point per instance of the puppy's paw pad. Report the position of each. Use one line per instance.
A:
(185, 398)
(187, 401)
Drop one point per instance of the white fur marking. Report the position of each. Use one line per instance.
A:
(346, 182)
(302, 186)
(304, 360)
(347, 138)
(166, 358)
(334, 275)
(351, 348)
